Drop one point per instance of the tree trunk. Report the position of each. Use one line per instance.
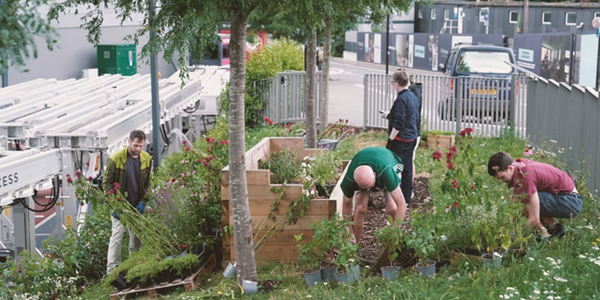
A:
(309, 100)
(325, 76)
(240, 210)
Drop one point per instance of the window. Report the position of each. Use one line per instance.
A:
(546, 17)
(433, 13)
(570, 18)
(597, 14)
(420, 13)
(484, 62)
(446, 14)
(513, 16)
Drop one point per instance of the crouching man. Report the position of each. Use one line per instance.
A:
(546, 191)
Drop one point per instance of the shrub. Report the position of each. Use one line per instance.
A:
(284, 165)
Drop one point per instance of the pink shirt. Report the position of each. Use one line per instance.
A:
(536, 176)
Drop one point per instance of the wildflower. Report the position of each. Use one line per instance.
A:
(182, 174)
(187, 149)
(453, 149)
(472, 187)
(90, 178)
(496, 168)
(69, 180)
(455, 184)
(527, 152)
(184, 142)
(581, 256)
(518, 163)
(78, 173)
(110, 192)
(455, 204)
(290, 130)
(288, 125)
(449, 155)
(346, 121)
(210, 140)
(270, 122)
(447, 208)
(449, 165)
(436, 155)
(267, 119)
(469, 130)
(462, 133)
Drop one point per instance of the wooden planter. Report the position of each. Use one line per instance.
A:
(440, 141)
(281, 246)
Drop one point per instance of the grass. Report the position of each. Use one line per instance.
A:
(560, 269)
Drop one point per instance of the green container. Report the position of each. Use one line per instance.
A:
(117, 59)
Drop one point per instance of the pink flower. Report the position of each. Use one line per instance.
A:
(117, 186)
(455, 184)
(184, 142)
(288, 125)
(527, 152)
(267, 119)
(182, 174)
(187, 149)
(436, 155)
(90, 178)
(210, 140)
(270, 122)
(290, 130)
(518, 163)
(447, 208)
(496, 168)
(69, 180)
(78, 173)
(193, 172)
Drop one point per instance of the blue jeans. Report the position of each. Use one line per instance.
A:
(564, 206)
(406, 150)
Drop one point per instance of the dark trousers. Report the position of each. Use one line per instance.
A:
(405, 150)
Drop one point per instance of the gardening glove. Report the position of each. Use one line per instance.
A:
(115, 215)
(388, 145)
(140, 207)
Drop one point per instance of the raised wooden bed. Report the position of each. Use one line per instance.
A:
(440, 141)
(281, 246)
(189, 283)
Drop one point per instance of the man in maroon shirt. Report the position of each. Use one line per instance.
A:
(546, 191)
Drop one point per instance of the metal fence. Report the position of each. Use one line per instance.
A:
(284, 96)
(486, 104)
(565, 120)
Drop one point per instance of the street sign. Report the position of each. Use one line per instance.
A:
(484, 13)
(596, 24)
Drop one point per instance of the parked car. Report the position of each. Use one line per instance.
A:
(486, 81)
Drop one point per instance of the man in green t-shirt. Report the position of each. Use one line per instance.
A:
(372, 169)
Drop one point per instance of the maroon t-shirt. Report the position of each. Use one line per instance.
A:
(536, 176)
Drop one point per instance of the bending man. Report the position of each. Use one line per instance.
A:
(372, 169)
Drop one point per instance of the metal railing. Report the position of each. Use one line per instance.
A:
(485, 104)
(565, 120)
(284, 96)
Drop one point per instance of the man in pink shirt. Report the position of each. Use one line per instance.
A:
(546, 191)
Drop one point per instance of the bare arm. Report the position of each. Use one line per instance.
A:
(533, 211)
(400, 204)
(347, 212)
(394, 133)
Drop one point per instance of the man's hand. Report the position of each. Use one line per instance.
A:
(140, 207)
(384, 114)
(388, 145)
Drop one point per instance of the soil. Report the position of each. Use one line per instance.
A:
(376, 218)
(267, 286)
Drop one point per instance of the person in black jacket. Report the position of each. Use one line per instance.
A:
(403, 129)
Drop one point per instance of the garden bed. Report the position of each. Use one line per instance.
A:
(261, 196)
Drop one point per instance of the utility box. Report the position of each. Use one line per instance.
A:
(117, 59)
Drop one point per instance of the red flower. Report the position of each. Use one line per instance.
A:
(117, 186)
(110, 192)
(469, 130)
(346, 121)
(68, 175)
(455, 204)
(224, 142)
(462, 133)
(69, 180)
(118, 199)
(449, 165)
(290, 130)
(288, 125)
(210, 140)
(436, 155)
(341, 120)
(455, 184)
(184, 142)
(453, 149)
(449, 156)
(270, 122)
(188, 148)
(472, 187)
(90, 178)
(267, 119)
(77, 173)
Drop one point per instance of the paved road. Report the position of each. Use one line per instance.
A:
(346, 90)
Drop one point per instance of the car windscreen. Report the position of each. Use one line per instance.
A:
(484, 62)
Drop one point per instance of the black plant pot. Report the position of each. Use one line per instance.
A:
(120, 283)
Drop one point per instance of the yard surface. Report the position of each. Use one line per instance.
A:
(566, 268)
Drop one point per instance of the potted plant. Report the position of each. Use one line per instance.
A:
(326, 234)
(323, 168)
(348, 271)
(421, 240)
(310, 256)
(391, 238)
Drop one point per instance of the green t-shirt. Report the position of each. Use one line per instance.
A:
(386, 165)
